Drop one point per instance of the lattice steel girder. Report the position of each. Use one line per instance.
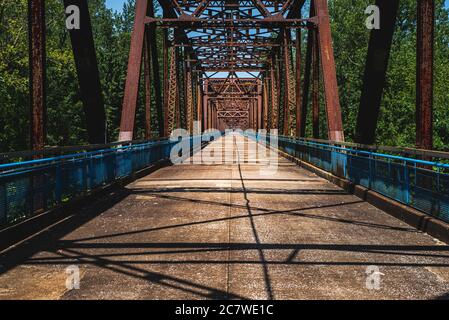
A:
(172, 93)
(290, 91)
(233, 114)
(189, 101)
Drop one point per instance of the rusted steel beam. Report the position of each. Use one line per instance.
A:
(274, 94)
(260, 110)
(147, 79)
(88, 74)
(180, 89)
(334, 118)
(173, 94)
(307, 73)
(222, 23)
(424, 76)
(133, 73)
(265, 124)
(228, 44)
(298, 81)
(165, 77)
(234, 69)
(261, 7)
(199, 101)
(290, 91)
(151, 39)
(37, 57)
(316, 87)
(189, 100)
(375, 72)
(205, 110)
(295, 10)
(200, 8)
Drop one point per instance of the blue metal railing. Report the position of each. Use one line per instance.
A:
(423, 185)
(32, 186)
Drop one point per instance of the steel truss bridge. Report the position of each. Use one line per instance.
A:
(219, 225)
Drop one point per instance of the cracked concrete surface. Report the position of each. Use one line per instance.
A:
(228, 231)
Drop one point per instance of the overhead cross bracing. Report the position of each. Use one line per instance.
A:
(231, 35)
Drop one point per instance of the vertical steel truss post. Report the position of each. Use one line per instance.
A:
(307, 72)
(266, 103)
(316, 87)
(180, 98)
(274, 95)
(37, 57)
(270, 102)
(133, 73)
(147, 79)
(279, 105)
(189, 99)
(375, 72)
(424, 77)
(172, 98)
(280, 63)
(151, 40)
(88, 75)
(166, 78)
(333, 109)
(205, 105)
(290, 90)
(199, 102)
(298, 82)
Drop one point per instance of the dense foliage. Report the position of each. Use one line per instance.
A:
(397, 118)
(112, 35)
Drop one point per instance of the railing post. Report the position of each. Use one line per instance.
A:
(407, 183)
(58, 184)
(3, 204)
(371, 173)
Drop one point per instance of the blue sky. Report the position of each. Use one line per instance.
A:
(115, 4)
(118, 4)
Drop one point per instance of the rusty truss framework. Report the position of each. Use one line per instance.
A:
(234, 64)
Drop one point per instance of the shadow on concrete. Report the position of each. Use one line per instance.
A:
(242, 190)
(127, 269)
(47, 239)
(268, 287)
(78, 253)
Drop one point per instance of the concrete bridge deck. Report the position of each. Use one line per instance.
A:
(198, 231)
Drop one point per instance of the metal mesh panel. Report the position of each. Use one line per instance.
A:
(29, 187)
(406, 180)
